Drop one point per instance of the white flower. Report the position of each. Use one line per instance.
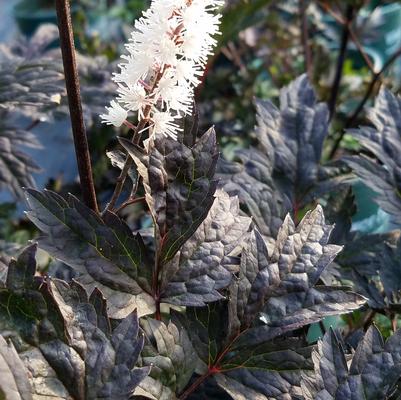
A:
(167, 54)
(166, 51)
(135, 69)
(133, 98)
(116, 115)
(187, 72)
(163, 123)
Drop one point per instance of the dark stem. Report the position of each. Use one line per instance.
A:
(353, 35)
(74, 101)
(33, 124)
(129, 202)
(195, 385)
(353, 118)
(340, 61)
(158, 314)
(322, 327)
(303, 5)
(367, 321)
(376, 77)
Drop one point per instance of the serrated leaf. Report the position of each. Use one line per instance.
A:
(169, 352)
(73, 332)
(284, 173)
(102, 361)
(22, 307)
(252, 182)
(179, 187)
(201, 268)
(14, 382)
(382, 175)
(107, 257)
(372, 374)
(16, 167)
(373, 264)
(281, 289)
(272, 295)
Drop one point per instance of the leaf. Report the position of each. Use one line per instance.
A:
(241, 342)
(284, 173)
(16, 167)
(374, 369)
(104, 359)
(22, 307)
(373, 264)
(201, 268)
(87, 357)
(25, 82)
(107, 256)
(281, 290)
(179, 187)
(14, 382)
(251, 181)
(117, 159)
(382, 175)
(169, 352)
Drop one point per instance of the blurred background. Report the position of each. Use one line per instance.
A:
(347, 49)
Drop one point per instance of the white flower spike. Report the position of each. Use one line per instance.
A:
(167, 54)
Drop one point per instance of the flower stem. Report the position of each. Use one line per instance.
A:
(74, 101)
(135, 139)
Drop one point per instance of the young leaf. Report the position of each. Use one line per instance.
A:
(179, 187)
(372, 374)
(201, 267)
(108, 257)
(117, 159)
(14, 382)
(384, 141)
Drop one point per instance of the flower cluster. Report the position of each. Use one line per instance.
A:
(167, 53)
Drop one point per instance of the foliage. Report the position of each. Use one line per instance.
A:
(203, 281)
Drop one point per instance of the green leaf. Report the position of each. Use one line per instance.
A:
(22, 307)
